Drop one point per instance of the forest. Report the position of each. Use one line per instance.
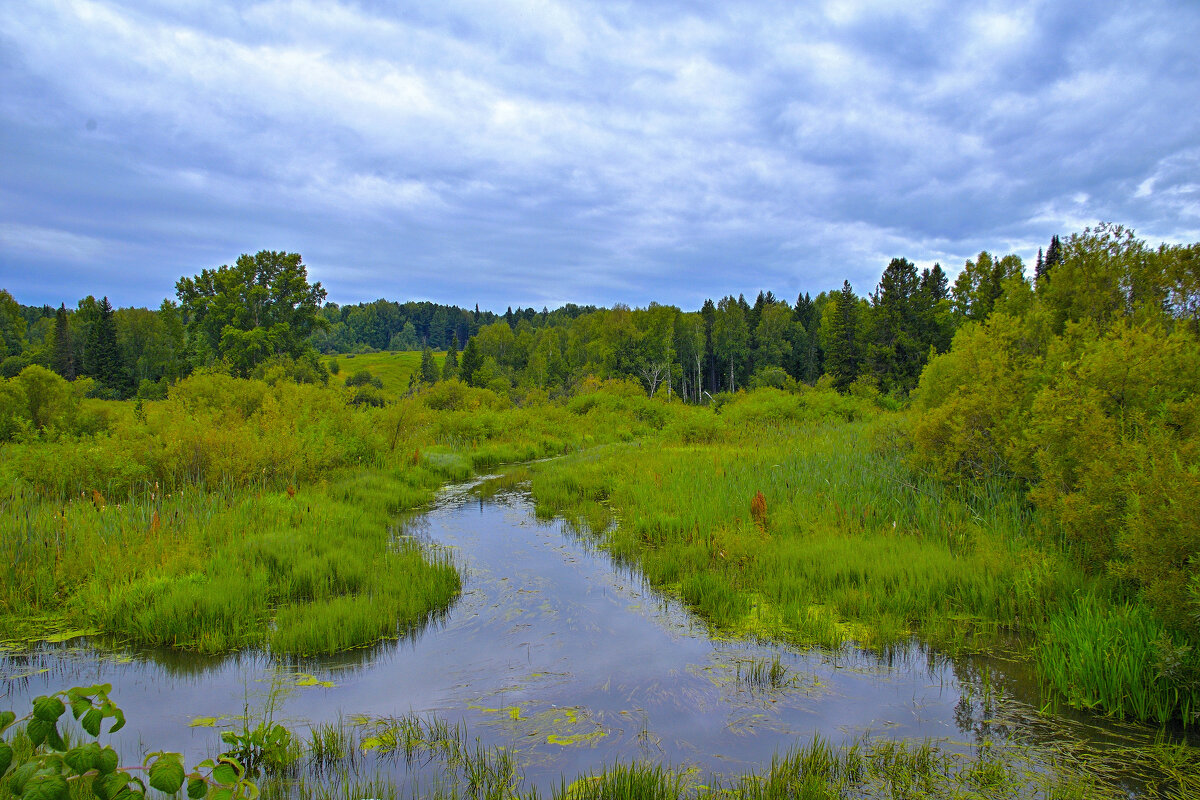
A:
(1008, 463)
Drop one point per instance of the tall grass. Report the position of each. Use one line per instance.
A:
(1120, 660)
(238, 513)
(786, 520)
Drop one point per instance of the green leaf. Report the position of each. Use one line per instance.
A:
(7, 718)
(223, 794)
(113, 784)
(106, 761)
(54, 739)
(80, 706)
(91, 721)
(48, 708)
(21, 776)
(6, 757)
(85, 757)
(119, 716)
(197, 788)
(166, 773)
(37, 729)
(225, 774)
(77, 760)
(45, 787)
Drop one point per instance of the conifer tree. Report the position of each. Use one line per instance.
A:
(896, 352)
(429, 367)
(1054, 255)
(840, 336)
(450, 365)
(64, 359)
(470, 361)
(102, 357)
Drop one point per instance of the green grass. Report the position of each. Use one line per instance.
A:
(852, 547)
(1119, 659)
(454, 766)
(261, 569)
(393, 368)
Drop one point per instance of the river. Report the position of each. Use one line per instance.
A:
(558, 653)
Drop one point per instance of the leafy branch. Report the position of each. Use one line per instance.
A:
(53, 765)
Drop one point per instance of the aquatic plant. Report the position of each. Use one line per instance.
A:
(41, 762)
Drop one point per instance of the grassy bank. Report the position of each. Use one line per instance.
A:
(795, 517)
(238, 513)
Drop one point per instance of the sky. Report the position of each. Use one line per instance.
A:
(533, 152)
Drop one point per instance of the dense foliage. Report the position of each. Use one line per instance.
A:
(1045, 481)
(1086, 391)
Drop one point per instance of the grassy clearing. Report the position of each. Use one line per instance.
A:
(847, 549)
(214, 571)
(393, 368)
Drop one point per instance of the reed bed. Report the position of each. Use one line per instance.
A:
(802, 522)
(440, 760)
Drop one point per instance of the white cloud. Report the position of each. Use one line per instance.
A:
(26, 240)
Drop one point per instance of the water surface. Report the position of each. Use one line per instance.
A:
(557, 652)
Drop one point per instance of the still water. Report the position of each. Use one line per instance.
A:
(555, 651)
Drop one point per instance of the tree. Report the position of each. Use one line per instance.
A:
(450, 365)
(772, 336)
(1054, 255)
(12, 326)
(429, 368)
(840, 322)
(896, 351)
(470, 362)
(934, 311)
(262, 306)
(63, 359)
(102, 356)
(731, 337)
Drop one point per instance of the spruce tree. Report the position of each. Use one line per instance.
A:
(64, 359)
(841, 337)
(450, 365)
(102, 358)
(470, 361)
(429, 368)
(896, 352)
(1054, 255)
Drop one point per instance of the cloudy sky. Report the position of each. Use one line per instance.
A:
(535, 152)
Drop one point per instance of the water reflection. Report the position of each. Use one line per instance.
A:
(559, 653)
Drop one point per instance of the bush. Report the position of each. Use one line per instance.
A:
(363, 377)
(367, 396)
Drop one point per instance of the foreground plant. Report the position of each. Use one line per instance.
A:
(39, 763)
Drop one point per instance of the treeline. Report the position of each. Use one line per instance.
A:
(121, 350)
(388, 325)
(878, 342)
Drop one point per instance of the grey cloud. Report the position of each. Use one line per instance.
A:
(530, 153)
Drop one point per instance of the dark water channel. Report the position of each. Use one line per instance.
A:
(554, 651)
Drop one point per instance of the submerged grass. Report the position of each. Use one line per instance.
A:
(441, 761)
